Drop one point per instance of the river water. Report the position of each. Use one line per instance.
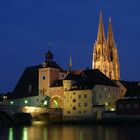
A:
(70, 132)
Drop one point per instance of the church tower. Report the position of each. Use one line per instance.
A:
(105, 55)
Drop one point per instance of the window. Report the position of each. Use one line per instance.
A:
(79, 96)
(68, 112)
(85, 104)
(29, 88)
(85, 112)
(74, 108)
(135, 105)
(79, 104)
(65, 89)
(73, 93)
(74, 100)
(128, 106)
(85, 95)
(79, 112)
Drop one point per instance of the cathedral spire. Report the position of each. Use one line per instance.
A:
(101, 34)
(70, 63)
(110, 37)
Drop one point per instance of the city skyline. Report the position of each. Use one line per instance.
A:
(27, 28)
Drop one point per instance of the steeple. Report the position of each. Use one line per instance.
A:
(101, 34)
(110, 37)
(70, 65)
(49, 55)
(105, 55)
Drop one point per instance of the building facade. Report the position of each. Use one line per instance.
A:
(39, 83)
(130, 104)
(88, 94)
(105, 55)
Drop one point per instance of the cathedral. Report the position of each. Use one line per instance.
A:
(105, 55)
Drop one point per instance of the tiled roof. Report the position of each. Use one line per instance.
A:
(87, 79)
(30, 77)
(92, 77)
(71, 76)
(52, 64)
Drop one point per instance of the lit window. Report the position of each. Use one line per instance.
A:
(79, 104)
(11, 102)
(45, 103)
(25, 101)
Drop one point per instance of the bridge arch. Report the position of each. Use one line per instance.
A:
(5, 118)
(56, 101)
(42, 117)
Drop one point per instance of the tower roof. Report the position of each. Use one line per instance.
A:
(101, 34)
(110, 37)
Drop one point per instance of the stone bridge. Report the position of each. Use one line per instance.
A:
(18, 114)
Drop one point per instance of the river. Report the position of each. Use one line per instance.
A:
(70, 132)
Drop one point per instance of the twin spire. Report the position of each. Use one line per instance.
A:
(101, 34)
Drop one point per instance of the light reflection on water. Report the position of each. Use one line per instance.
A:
(69, 132)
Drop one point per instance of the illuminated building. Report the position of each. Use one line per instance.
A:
(88, 93)
(105, 55)
(50, 81)
(39, 83)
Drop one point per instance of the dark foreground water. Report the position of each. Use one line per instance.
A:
(70, 132)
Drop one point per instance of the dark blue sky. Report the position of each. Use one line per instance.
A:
(27, 26)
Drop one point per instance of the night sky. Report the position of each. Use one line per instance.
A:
(70, 27)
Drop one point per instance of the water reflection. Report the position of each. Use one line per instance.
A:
(11, 137)
(70, 132)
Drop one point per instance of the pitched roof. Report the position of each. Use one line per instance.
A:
(71, 76)
(94, 77)
(52, 64)
(87, 79)
(30, 77)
